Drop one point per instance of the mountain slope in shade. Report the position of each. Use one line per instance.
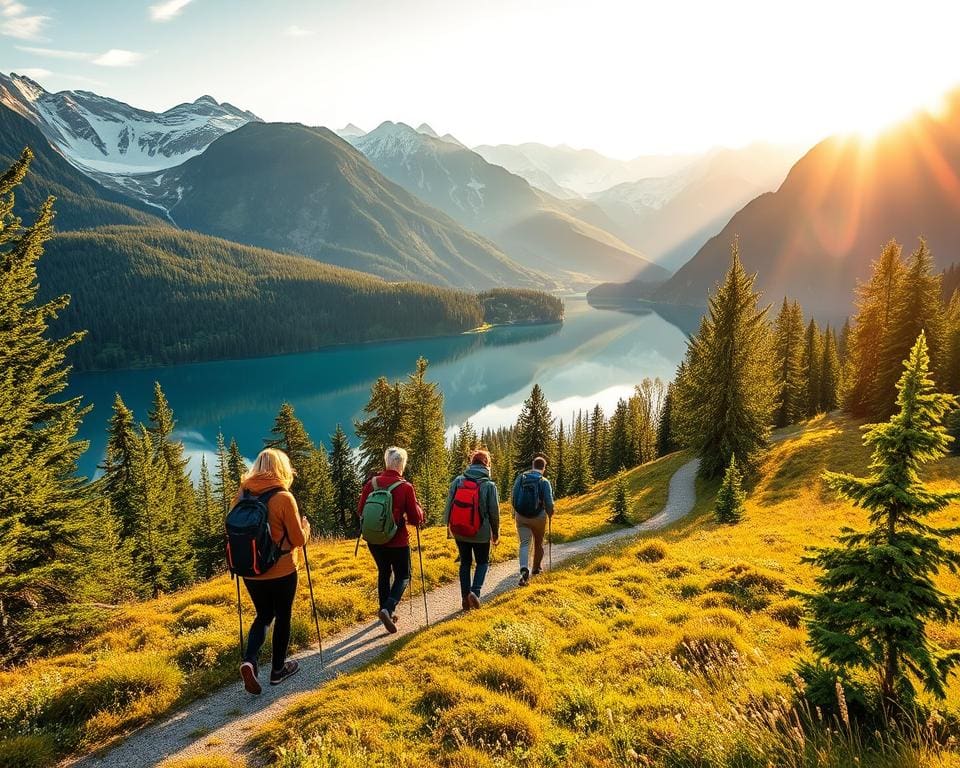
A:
(581, 171)
(81, 202)
(534, 228)
(291, 188)
(105, 136)
(670, 217)
(816, 236)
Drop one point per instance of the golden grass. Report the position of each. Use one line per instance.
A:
(676, 651)
(159, 654)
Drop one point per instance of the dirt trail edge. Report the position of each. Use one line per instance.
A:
(221, 723)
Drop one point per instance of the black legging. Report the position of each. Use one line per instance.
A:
(273, 599)
(393, 561)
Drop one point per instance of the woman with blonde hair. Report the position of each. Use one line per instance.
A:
(272, 593)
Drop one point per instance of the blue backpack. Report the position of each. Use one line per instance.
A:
(529, 495)
(251, 550)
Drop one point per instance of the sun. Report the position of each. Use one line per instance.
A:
(868, 118)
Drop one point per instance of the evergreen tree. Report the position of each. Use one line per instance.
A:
(788, 349)
(561, 457)
(323, 504)
(117, 482)
(919, 307)
(645, 406)
(598, 438)
(464, 442)
(427, 467)
(619, 453)
(290, 436)
(110, 557)
(665, 440)
(812, 365)
(621, 501)
(726, 393)
(236, 466)
(951, 357)
(43, 503)
(209, 535)
(385, 425)
(222, 491)
(344, 479)
(533, 433)
(829, 373)
(877, 588)
(876, 302)
(580, 473)
(728, 507)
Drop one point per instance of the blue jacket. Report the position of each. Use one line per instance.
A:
(546, 491)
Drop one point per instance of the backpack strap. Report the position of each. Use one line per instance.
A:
(397, 484)
(264, 498)
(373, 483)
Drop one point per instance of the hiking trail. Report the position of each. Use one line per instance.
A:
(222, 722)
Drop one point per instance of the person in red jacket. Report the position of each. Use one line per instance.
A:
(393, 558)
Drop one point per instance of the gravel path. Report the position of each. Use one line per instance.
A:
(221, 723)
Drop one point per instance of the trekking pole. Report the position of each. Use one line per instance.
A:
(410, 584)
(423, 582)
(239, 615)
(550, 543)
(313, 604)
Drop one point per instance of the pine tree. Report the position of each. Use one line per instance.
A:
(345, 481)
(919, 307)
(877, 588)
(580, 473)
(812, 364)
(665, 440)
(788, 355)
(728, 507)
(598, 440)
(876, 305)
(290, 436)
(621, 501)
(427, 467)
(726, 393)
(561, 457)
(533, 433)
(209, 535)
(464, 442)
(223, 492)
(109, 557)
(117, 482)
(43, 503)
(619, 453)
(829, 373)
(322, 504)
(385, 425)
(236, 466)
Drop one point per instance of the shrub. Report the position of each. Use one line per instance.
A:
(579, 708)
(212, 594)
(717, 600)
(22, 707)
(514, 676)
(587, 636)
(203, 650)
(652, 551)
(497, 723)
(721, 617)
(442, 691)
(601, 565)
(208, 761)
(32, 751)
(706, 648)
(751, 587)
(467, 757)
(196, 617)
(515, 637)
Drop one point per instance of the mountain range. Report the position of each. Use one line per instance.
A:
(572, 239)
(816, 236)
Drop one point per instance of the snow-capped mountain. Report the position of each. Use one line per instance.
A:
(105, 137)
(350, 131)
(534, 228)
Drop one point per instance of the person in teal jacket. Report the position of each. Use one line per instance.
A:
(476, 547)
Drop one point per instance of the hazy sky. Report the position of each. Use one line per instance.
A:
(622, 77)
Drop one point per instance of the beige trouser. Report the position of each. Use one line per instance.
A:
(527, 528)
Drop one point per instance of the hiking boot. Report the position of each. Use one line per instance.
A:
(524, 577)
(537, 571)
(248, 673)
(387, 620)
(473, 601)
(290, 668)
(465, 604)
(395, 617)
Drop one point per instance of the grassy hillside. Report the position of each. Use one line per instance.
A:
(676, 651)
(158, 296)
(161, 653)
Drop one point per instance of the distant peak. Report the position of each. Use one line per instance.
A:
(206, 99)
(426, 129)
(449, 138)
(350, 129)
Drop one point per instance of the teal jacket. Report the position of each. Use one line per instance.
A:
(489, 505)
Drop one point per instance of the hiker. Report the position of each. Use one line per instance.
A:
(473, 519)
(272, 593)
(384, 493)
(532, 505)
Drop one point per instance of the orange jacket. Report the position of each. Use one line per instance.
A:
(284, 517)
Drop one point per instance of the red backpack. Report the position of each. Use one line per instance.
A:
(465, 511)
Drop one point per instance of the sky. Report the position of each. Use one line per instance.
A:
(623, 77)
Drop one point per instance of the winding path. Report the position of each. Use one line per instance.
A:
(221, 723)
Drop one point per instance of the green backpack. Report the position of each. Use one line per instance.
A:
(377, 525)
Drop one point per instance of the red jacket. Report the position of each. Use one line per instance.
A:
(406, 508)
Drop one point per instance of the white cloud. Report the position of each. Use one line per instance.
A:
(34, 73)
(117, 57)
(168, 10)
(16, 22)
(56, 53)
(295, 30)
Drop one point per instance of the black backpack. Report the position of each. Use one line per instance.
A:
(251, 550)
(530, 495)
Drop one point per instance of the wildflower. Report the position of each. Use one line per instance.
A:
(842, 701)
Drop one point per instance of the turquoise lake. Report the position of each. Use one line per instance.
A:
(596, 355)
